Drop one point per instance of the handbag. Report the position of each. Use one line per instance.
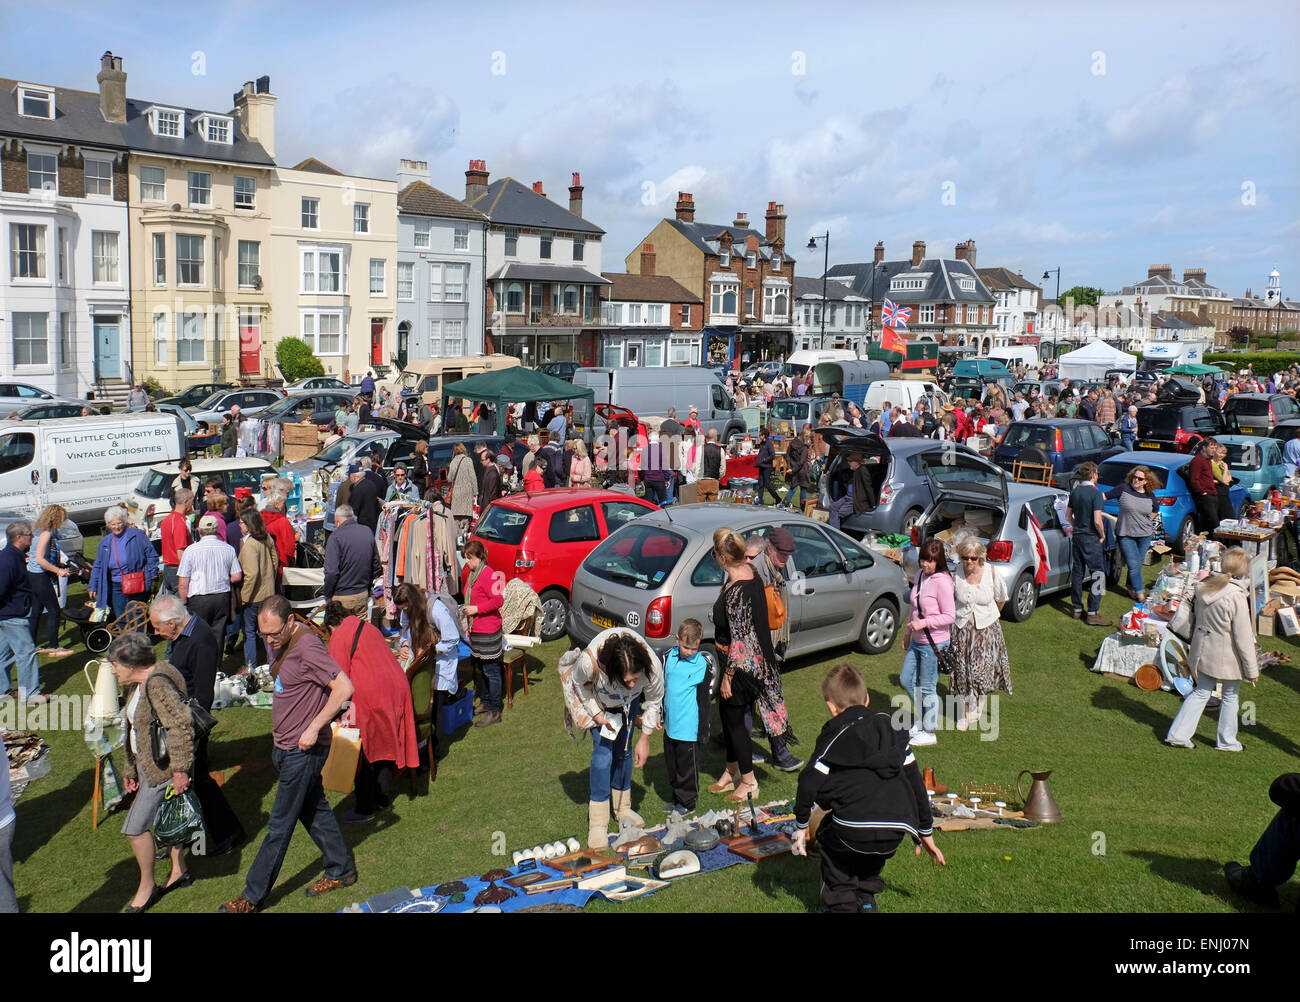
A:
(201, 721)
(948, 659)
(776, 611)
(132, 581)
(1182, 625)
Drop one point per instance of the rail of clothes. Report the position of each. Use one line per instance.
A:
(417, 545)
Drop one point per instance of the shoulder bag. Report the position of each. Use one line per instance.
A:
(201, 721)
(1183, 624)
(948, 659)
(132, 581)
(776, 610)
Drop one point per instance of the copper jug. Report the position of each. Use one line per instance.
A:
(1039, 805)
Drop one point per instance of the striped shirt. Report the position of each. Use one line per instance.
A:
(208, 565)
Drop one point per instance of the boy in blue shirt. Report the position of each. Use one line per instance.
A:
(686, 714)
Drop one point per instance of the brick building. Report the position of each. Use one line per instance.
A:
(649, 319)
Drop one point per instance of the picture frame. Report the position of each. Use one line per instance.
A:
(763, 847)
(1258, 582)
(524, 879)
(1290, 620)
(575, 864)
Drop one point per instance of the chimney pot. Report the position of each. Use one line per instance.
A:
(879, 256)
(575, 195)
(577, 180)
(264, 84)
(741, 221)
(476, 179)
(685, 207)
(537, 187)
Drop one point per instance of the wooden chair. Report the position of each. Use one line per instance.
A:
(421, 675)
(531, 627)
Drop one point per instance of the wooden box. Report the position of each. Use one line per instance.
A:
(300, 441)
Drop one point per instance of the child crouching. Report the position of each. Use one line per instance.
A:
(864, 774)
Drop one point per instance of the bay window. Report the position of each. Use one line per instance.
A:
(104, 260)
(191, 344)
(189, 259)
(27, 242)
(323, 330)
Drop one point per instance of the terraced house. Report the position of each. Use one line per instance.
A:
(65, 325)
(200, 209)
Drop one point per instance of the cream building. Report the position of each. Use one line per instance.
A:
(334, 266)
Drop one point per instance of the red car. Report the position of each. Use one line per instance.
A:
(542, 537)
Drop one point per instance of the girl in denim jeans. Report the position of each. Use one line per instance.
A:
(933, 609)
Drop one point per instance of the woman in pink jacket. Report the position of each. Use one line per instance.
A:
(927, 633)
(483, 589)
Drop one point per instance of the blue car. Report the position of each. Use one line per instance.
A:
(1177, 509)
(1255, 461)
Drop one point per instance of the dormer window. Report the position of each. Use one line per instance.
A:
(908, 284)
(776, 262)
(166, 122)
(35, 102)
(214, 128)
(966, 284)
(751, 259)
(724, 258)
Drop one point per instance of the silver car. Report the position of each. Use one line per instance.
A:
(972, 493)
(659, 569)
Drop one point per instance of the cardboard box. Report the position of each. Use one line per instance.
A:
(688, 493)
(299, 441)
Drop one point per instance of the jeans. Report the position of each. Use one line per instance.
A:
(117, 600)
(611, 760)
(1087, 566)
(1189, 715)
(17, 636)
(250, 634)
(1134, 549)
(169, 585)
(656, 491)
(920, 678)
(492, 698)
(800, 492)
(8, 900)
(1272, 861)
(299, 797)
(765, 485)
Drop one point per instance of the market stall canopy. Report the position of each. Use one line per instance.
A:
(1093, 360)
(515, 385)
(1194, 369)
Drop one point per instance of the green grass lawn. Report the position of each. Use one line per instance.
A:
(1166, 818)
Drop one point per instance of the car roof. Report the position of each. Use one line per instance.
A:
(1054, 421)
(1160, 458)
(1244, 439)
(706, 516)
(1018, 493)
(564, 497)
(214, 465)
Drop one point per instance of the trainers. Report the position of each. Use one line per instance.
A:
(757, 757)
(240, 906)
(1233, 747)
(922, 739)
(1179, 744)
(327, 884)
(1243, 880)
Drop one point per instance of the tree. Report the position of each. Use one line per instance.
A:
(1083, 295)
(296, 361)
(1239, 334)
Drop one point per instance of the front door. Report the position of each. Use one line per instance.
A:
(403, 343)
(250, 345)
(108, 360)
(376, 342)
(634, 353)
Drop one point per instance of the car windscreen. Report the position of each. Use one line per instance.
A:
(1022, 434)
(155, 485)
(503, 525)
(790, 410)
(289, 405)
(339, 451)
(210, 401)
(640, 555)
(1160, 421)
(1246, 406)
(1244, 455)
(250, 476)
(1112, 473)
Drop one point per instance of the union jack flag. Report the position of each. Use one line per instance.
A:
(892, 315)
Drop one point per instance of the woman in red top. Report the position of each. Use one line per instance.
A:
(483, 588)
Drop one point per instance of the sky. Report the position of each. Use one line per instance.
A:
(1099, 138)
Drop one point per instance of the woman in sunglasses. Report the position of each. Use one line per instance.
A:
(982, 664)
(1137, 504)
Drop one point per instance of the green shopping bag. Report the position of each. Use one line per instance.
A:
(180, 818)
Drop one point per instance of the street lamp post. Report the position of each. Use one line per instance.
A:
(876, 269)
(825, 238)
(1057, 269)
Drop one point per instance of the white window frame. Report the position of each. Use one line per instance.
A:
(460, 236)
(43, 185)
(406, 281)
(310, 324)
(160, 337)
(251, 196)
(382, 276)
(579, 247)
(38, 255)
(241, 264)
(310, 208)
(99, 162)
(512, 236)
(158, 243)
(29, 341)
(776, 262)
(908, 284)
(654, 314)
(751, 260)
(421, 229)
(523, 302)
(435, 281)
(724, 258)
(749, 302)
(633, 314)
(446, 338)
(361, 217)
(172, 116)
(105, 253)
(310, 271)
(65, 340)
(684, 315)
(925, 315)
(454, 291)
(718, 292)
(546, 245)
(191, 188)
(188, 323)
(202, 260)
(62, 255)
(157, 189)
(39, 93)
(654, 349)
(613, 314)
(965, 283)
(678, 345)
(217, 129)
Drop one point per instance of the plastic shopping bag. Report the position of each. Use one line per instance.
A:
(180, 818)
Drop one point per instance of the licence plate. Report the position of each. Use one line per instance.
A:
(1149, 445)
(604, 622)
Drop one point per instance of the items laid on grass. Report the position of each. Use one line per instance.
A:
(27, 757)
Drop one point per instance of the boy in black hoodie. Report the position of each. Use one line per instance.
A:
(864, 774)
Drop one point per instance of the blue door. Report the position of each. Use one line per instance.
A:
(108, 361)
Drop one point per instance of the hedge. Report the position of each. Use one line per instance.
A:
(296, 360)
(1263, 363)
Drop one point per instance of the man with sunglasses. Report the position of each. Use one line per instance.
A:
(1087, 561)
(310, 690)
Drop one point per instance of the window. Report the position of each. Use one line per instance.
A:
(28, 243)
(654, 353)
(189, 259)
(681, 351)
(905, 284)
(514, 298)
(633, 313)
(460, 236)
(547, 238)
(775, 303)
(685, 315)
(435, 281)
(35, 103)
(325, 332)
(813, 553)
(17, 450)
(579, 247)
(831, 309)
(167, 122)
(321, 270)
(776, 262)
(751, 259)
(446, 338)
(65, 338)
(926, 315)
(31, 342)
(103, 251)
(574, 525)
(311, 213)
(613, 314)
(99, 177)
(965, 283)
(42, 172)
(611, 355)
(655, 314)
(153, 184)
(421, 230)
(159, 259)
(724, 299)
(200, 187)
(160, 338)
(720, 399)
(724, 258)
(250, 258)
(190, 345)
(218, 129)
(512, 243)
(361, 217)
(405, 280)
(245, 192)
(749, 302)
(453, 290)
(63, 254)
(376, 276)
(588, 303)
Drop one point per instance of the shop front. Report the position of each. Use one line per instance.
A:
(536, 347)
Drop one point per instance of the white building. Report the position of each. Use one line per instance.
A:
(1160, 292)
(845, 315)
(1015, 307)
(65, 289)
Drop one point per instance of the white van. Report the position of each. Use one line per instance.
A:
(800, 362)
(1013, 354)
(650, 390)
(904, 393)
(85, 464)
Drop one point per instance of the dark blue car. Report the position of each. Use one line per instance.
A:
(1063, 443)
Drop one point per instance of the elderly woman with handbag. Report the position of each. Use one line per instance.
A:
(125, 564)
(981, 665)
(927, 636)
(464, 486)
(155, 703)
(1219, 622)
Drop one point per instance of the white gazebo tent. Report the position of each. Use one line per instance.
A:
(1093, 360)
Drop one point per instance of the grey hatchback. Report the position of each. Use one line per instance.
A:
(658, 570)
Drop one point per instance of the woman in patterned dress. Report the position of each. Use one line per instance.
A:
(749, 671)
(982, 665)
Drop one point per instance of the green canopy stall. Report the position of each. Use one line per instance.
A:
(1194, 369)
(516, 385)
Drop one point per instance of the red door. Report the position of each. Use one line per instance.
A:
(250, 344)
(376, 342)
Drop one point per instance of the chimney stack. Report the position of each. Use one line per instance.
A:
(918, 252)
(1193, 274)
(647, 259)
(537, 187)
(741, 222)
(1161, 271)
(410, 171)
(575, 195)
(879, 256)
(775, 223)
(685, 207)
(476, 179)
(255, 109)
(112, 89)
(965, 251)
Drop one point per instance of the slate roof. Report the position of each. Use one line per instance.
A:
(1001, 279)
(421, 199)
(811, 288)
(1256, 303)
(646, 289)
(1161, 286)
(316, 167)
(547, 273)
(140, 138)
(508, 202)
(1179, 320)
(705, 237)
(941, 288)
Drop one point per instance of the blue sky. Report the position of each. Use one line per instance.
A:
(1101, 137)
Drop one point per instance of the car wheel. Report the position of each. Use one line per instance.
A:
(555, 614)
(879, 627)
(1186, 532)
(910, 519)
(1024, 598)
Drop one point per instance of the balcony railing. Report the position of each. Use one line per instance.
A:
(538, 318)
